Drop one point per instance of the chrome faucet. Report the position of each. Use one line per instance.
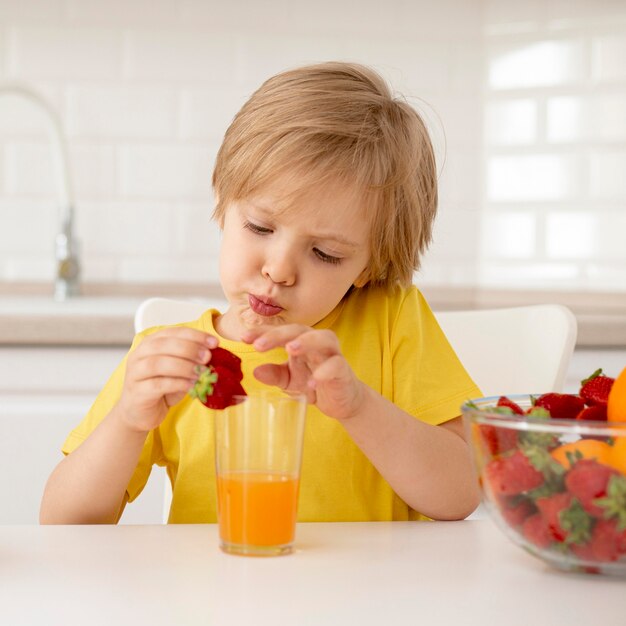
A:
(67, 272)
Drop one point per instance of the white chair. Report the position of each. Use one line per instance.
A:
(160, 311)
(514, 350)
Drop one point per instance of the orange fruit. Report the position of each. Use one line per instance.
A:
(618, 455)
(588, 448)
(616, 406)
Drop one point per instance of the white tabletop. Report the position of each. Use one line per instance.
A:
(460, 573)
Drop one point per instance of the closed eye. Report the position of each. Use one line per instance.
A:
(326, 258)
(255, 228)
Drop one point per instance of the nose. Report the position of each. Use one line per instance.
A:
(280, 265)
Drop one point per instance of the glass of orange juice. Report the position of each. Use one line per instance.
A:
(258, 453)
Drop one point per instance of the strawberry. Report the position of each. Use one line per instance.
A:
(513, 474)
(560, 405)
(595, 412)
(536, 531)
(551, 508)
(603, 545)
(497, 439)
(219, 381)
(595, 389)
(515, 509)
(504, 401)
(225, 358)
(587, 481)
(500, 439)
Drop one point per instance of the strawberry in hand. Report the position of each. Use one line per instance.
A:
(219, 381)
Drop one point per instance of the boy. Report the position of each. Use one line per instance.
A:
(326, 194)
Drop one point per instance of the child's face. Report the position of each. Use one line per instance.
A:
(289, 266)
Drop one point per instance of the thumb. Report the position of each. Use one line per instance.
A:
(273, 374)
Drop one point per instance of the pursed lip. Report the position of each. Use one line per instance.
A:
(263, 305)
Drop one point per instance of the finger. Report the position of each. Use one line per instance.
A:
(314, 343)
(172, 399)
(173, 346)
(273, 374)
(313, 348)
(277, 336)
(156, 366)
(184, 332)
(333, 369)
(162, 387)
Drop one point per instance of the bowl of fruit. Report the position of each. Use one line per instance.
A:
(552, 470)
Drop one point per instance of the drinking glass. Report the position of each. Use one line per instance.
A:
(258, 453)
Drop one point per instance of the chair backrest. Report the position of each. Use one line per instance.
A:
(159, 311)
(513, 350)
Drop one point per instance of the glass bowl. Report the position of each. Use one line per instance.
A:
(556, 487)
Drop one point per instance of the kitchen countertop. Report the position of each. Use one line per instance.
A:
(366, 573)
(104, 314)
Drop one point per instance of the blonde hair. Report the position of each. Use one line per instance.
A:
(339, 122)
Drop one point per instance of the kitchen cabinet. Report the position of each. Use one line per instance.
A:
(44, 393)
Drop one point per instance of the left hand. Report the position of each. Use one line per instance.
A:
(315, 367)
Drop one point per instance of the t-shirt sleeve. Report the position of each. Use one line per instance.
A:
(104, 402)
(430, 382)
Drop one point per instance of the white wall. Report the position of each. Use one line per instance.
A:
(146, 88)
(555, 144)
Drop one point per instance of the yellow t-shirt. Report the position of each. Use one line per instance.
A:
(394, 344)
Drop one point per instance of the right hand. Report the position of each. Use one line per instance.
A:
(159, 372)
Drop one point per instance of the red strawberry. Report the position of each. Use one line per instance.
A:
(604, 543)
(596, 413)
(536, 531)
(587, 480)
(560, 405)
(225, 358)
(504, 401)
(219, 381)
(513, 474)
(595, 389)
(226, 387)
(551, 508)
(614, 504)
(515, 510)
(497, 439)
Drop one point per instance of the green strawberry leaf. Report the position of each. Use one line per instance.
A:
(541, 459)
(207, 377)
(597, 373)
(577, 523)
(614, 503)
(539, 411)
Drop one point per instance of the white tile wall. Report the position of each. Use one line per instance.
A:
(555, 143)
(525, 102)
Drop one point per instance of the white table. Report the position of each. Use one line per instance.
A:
(459, 573)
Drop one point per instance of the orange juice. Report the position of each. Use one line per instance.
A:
(257, 508)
